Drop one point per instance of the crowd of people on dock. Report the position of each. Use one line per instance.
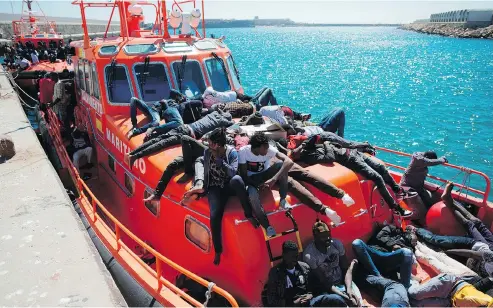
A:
(21, 56)
(223, 158)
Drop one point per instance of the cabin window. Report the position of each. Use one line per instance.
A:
(152, 81)
(87, 77)
(129, 183)
(140, 48)
(177, 47)
(152, 206)
(217, 74)
(107, 50)
(117, 84)
(82, 84)
(95, 83)
(205, 45)
(111, 163)
(198, 233)
(189, 78)
(232, 73)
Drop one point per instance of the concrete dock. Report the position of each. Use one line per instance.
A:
(46, 255)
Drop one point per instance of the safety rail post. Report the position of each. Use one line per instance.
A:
(94, 209)
(117, 237)
(159, 273)
(487, 180)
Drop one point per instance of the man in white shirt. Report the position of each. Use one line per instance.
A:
(258, 173)
(212, 97)
(275, 113)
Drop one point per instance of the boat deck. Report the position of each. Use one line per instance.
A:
(46, 255)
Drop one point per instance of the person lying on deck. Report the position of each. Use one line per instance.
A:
(327, 259)
(155, 112)
(415, 174)
(196, 130)
(291, 284)
(345, 153)
(447, 290)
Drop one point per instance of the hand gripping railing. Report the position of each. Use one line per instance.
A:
(487, 180)
(86, 196)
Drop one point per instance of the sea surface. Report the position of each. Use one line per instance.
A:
(401, 90)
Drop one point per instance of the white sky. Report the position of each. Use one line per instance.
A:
(321, 11)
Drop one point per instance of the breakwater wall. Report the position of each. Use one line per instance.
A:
(452, 30)
(67, 29)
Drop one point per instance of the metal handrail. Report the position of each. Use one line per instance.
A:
(160, 259)
(487, 180)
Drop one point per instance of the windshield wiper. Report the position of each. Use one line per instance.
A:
(181, 72)
(234, 67)
(222, 64)
(111, 78)
(143, 75)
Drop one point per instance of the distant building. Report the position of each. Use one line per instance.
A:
(469, 18)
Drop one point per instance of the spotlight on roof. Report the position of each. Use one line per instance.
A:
(175, 18)
(195, 18)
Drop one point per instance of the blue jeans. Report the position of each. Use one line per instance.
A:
(479, 232)
(151, 115)
(335, 121)
(394, 293)
(328, 300)
(444, 241)
(372, 260)
(264, 97)
(218, 198)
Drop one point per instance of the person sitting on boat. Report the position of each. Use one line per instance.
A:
(24, 64)
(326, 257)
(158, 142)
(81, 146)
(346, 153)
(216, 176)
(34, 56)
(257, 172)
(291, 284)
(415, 174)
(447, 290)
(154, 112)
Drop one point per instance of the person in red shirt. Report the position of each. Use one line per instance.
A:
(46, 89)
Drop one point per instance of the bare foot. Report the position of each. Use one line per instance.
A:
(188, 199)
(152, 197)
(198, 188)
(217, 259)
(126, 158)
(447, 194)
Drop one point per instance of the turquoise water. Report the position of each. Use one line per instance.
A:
(401, 90)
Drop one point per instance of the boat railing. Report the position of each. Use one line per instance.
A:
(150, 279)
(467, 172)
